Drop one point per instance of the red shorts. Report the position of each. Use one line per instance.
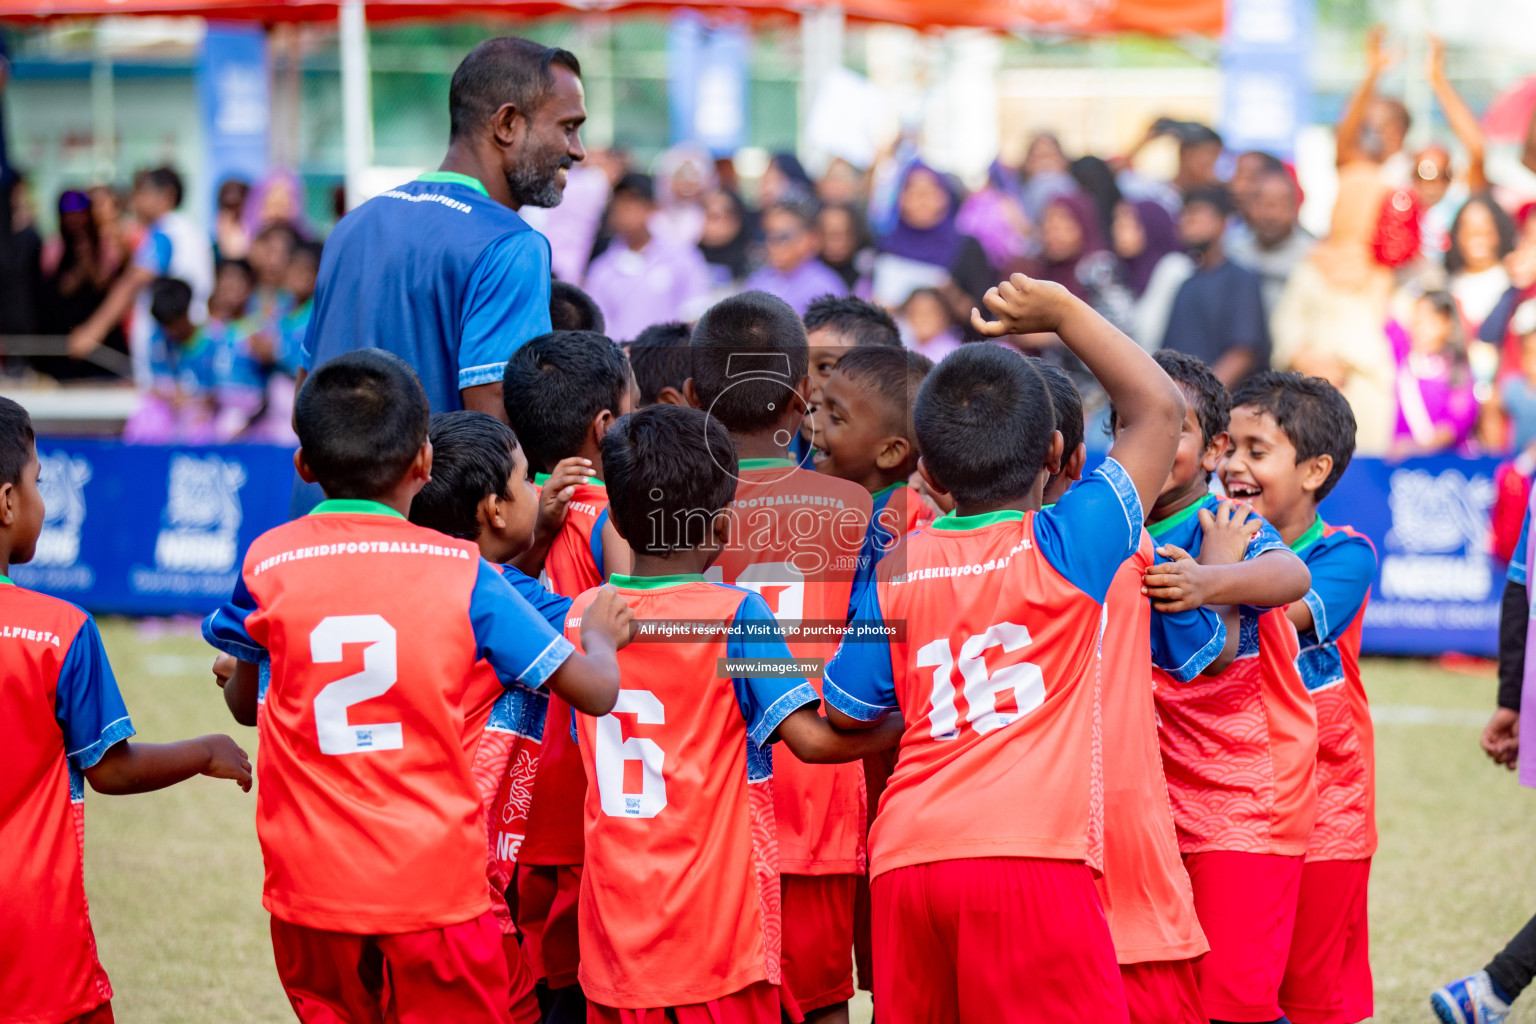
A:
(1015, 940)
(1163, 992)
(818, 938)
(101, 1015)
(457, 973)
(1328, 976)
(546, 915)
(1247, 908)
(523, 1000)
(756, 1004)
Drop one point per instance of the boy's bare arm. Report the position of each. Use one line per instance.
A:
(589, 682)
(554, 503)
(1148, 404)
(145, 767)
(240, 681)
(1272, 580)
(815, 740)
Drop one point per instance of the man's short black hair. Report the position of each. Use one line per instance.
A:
(669, 471)
(553, 388)
(1311, 412)
(170, 298)
(892, 377)
(309, 250)
(571, 309)
(1214, 196)
(802, 208)
(984, 423)
(164, 179)
(864, 322)
(749, 351)
(361, 418)
(636, 186)
(1068, 403)
(472, 458)
(661, 358)
(17, 440)
(499, 71)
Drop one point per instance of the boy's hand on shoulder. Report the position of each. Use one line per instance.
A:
(555, 495)
(609, 617)
(1227, 533)
(1177, 585)
(226, 760)
(1023, 305)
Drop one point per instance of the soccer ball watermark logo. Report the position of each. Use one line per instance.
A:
(766, 375)
(202, 515)
(62, 483)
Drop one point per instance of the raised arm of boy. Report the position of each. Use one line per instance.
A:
(589, 682)
(1149, 405)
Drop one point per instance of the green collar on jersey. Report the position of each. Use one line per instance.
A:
(765, 464)
(454, 178)
(540, 479)
(618, 579)
(1162, 526)
(954, 522)
(353, 506)
(888, 489)
(7, 581)
(1309, 538)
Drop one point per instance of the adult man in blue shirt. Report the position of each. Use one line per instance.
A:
(442, 271)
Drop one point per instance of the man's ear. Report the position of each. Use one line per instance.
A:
(1316, 472)
(672, 396)
(1076, 461)
(7, 504)
(893, 452)
(302, 468)
(508, 125)
(1211, 457)
(929, 479)
(691, 394)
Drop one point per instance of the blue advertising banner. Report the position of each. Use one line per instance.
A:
(707, 83)
(234, 98)
(149, 530)
(1266, 84)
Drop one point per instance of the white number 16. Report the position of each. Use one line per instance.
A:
(326, 644)
(981, 689)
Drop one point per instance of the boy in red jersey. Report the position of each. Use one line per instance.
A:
(562, 392)
(1239, 749)
(680, 896)
(797, 541)
(376, 763)
(1292, 438)
(983, 853)
(63, 723)
(1145, 888)
(479, 492)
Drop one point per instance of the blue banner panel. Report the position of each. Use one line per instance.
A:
(235, 101)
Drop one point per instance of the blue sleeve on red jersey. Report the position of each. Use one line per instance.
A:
(225, 628)
(550, 605)
(1185, 643)
(858, 681)
(506, 305)
(1342, 572)
(765, 701)
(1267, 539)
(89, 706)
(1093, 529)
(1517, 567)
(517, 641)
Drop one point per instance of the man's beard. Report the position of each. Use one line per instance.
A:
(538, 184)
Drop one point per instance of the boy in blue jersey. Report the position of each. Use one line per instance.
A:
(833, 326)
(1292, 438)
(62, 723)
(1239, 748)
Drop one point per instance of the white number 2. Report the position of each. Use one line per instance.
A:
(614, 752)
(326, 644)
(981, 690)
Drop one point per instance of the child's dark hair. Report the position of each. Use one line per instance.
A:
(892, 377)
(864, 322)
(1202, 389)
(748, 351)
(661, 358)
(669, 471)
(170, 299)
(361, 418)
(802, 208)
(553, 387)
(571, 309)
(1068, 403)
(1311, 412)
(1215, 196)
(280, 227)
(984, 423)
(472, 457)
(16, 441)
(240, 266)
(162, 179)
(1445, 306)
(309, 250)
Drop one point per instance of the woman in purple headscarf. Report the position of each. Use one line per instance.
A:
(1152, 266)
(927, 250)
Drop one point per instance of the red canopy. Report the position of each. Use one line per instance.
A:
(1156, 17)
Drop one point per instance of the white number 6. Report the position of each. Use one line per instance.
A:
(614, 751)
(326, 644)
